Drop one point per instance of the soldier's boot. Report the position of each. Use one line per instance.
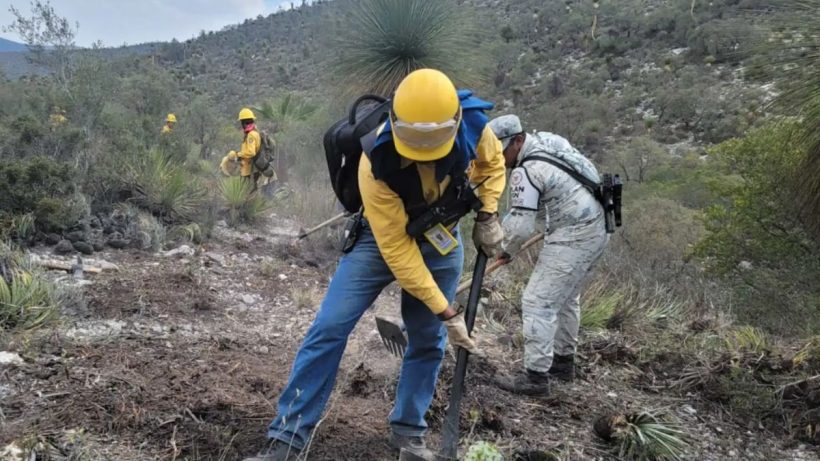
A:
(563, 367)
(526, 383)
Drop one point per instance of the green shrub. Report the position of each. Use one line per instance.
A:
(43, 188)
(483, 451)
(755, 238)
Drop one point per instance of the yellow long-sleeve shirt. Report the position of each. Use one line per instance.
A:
(385, 213)
(250, 147)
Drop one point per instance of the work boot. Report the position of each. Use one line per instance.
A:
(526, 383)
(411, 447)
(563, 367)
(278, 451)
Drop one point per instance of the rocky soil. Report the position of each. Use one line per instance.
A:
(182, 354)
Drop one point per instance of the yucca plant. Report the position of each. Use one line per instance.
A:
(163, 187)
(748, 339)
(26, 301)
(644, 436)
(384, 40)
(598, 306)
(795, 64)
(242, 203)
(285, 111)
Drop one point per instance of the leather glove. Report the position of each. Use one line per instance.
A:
(487, 233)
(457, 332)
(232, 155)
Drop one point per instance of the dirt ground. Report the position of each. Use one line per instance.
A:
(182, 358)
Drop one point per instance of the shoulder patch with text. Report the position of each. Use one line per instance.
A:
(522, 193)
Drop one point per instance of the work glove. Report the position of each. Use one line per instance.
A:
(232, 155)
(224, 165)
(487, 233)
(457, 332)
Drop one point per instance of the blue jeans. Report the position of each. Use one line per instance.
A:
(360, 277)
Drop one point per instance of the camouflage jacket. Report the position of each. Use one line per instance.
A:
(539, 190)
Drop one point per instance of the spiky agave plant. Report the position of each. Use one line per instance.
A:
(26, 301)
(644, 436)
(243, 205)
(384, 40)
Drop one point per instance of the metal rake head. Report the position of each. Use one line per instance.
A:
(394, 336)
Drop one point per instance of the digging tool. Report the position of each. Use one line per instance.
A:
(449, 440)
(394, 335)
(304, 233)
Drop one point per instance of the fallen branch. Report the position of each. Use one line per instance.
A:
(64, 266)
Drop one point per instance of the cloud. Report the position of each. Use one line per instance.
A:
(136, 21)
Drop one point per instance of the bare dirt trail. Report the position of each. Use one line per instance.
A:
(183, 357)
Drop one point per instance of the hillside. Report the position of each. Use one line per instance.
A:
(10, 45)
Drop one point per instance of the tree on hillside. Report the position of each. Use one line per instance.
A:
(49, 37)
(384, 40)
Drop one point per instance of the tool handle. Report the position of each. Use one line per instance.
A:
(498, 263)
(450, 436)
(325, 223)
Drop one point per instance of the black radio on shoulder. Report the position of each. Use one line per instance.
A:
(611, 191)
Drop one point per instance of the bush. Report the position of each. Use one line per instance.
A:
(164, 188)
(756, 239)
(43, 188)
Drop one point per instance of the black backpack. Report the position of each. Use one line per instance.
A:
(343, 147)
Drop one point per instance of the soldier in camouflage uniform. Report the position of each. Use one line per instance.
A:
(574, 239)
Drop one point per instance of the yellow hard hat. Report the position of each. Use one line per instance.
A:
(171, 118)
(426, 115)
(246, 114)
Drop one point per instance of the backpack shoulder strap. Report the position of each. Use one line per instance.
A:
(592, 186)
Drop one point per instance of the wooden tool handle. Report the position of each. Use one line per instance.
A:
(498, 263)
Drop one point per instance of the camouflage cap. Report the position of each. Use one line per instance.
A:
(505, 127)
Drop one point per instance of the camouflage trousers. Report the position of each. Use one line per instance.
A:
(551, 300)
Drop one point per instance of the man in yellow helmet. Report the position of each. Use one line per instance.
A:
(252, 146)
(170, 120)
(419, 156)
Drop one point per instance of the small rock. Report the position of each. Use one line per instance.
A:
(75, 236)
(83, 247)
(246, 237)
(118, 243)
(264, 349)
(52, 239)
(612, 395)
(10, 358)
(689, 409)
(283, 277)
(248, 299)
(216, 257)
(98, 245)
(184, 250)
(64, 247)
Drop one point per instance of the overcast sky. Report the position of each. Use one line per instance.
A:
(137, 21)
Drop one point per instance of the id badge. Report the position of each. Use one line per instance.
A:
(441, 239)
